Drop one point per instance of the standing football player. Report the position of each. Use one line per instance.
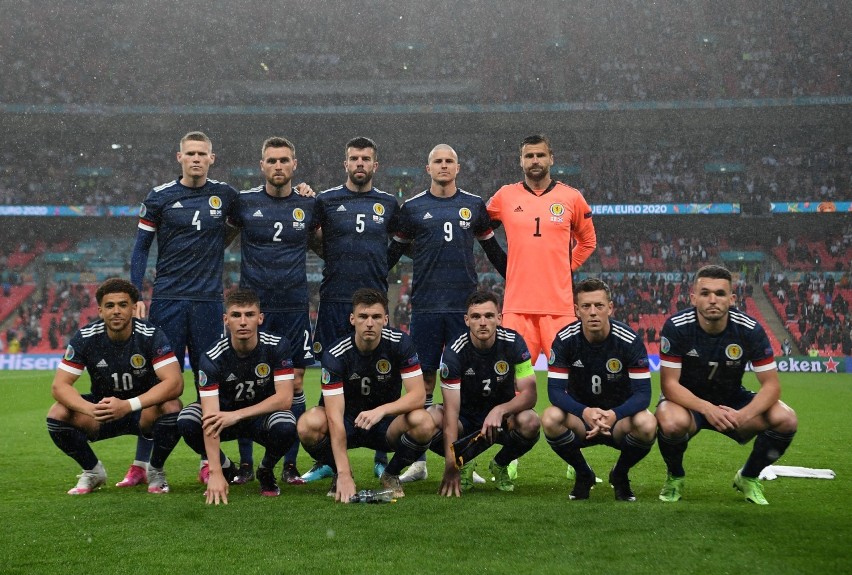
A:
(354, 223)
(437, 229)
(188, 218)
(275, 224)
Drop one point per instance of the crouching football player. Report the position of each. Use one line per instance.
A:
(599, 384)
(136, 384)
(703, 355)
(362, 379)
(488, 385)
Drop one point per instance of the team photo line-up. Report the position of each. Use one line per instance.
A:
(249, 377)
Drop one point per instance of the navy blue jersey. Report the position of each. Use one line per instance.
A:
(613, 374)
(190, 227)
(485, 378)
(373, 379)
(356, 227)
(712, 366)
(274, 246)
(441, 232)
(121, 369)
(243, 381)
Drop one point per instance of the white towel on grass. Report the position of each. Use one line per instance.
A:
(775, 471)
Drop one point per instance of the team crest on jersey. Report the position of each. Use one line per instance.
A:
(69, 353)
(383, 366)
(501, 367)
(734, 351)
(613, 365)
(215, 206)
(378, 213)
(556, 212)
(552, 359)
(326, 377)
(317, 347)
(445, 370)
(665, 345)
(202, 378)
(142, 210)
(137, 361)
(262, 370)
(465, 214)
(299, 217)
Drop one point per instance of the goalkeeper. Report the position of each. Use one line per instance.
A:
(489, 391)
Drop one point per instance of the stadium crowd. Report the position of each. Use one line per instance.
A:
(584, 52)
(750, 174)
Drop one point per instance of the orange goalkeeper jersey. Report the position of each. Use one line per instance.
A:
(550, 234)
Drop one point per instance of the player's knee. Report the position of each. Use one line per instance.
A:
(311, 427)
(783, 419)
(553, 421)
(644, 426)
(672, 419)
(436, 412)
(59, 412)
(171, 406)
(421, 425)
(528, 423)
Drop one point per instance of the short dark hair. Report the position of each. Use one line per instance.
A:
(590, 285)
(534, 140)
(242, 297)
(360, 143)
(715, 272)
(117, 285)
(368, 297)
(480, 297)
(196, 137)
(278, 142)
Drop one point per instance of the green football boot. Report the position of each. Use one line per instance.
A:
(501, 476)
(672, 489)
(751, 488)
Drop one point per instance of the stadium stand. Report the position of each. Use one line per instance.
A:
(687, 102)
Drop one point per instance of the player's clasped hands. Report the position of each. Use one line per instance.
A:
(110, 409)
(722, 417)
(599, 421)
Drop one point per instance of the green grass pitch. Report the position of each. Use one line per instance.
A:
(536, 529)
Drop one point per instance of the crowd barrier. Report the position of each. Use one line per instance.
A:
(797, 364)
